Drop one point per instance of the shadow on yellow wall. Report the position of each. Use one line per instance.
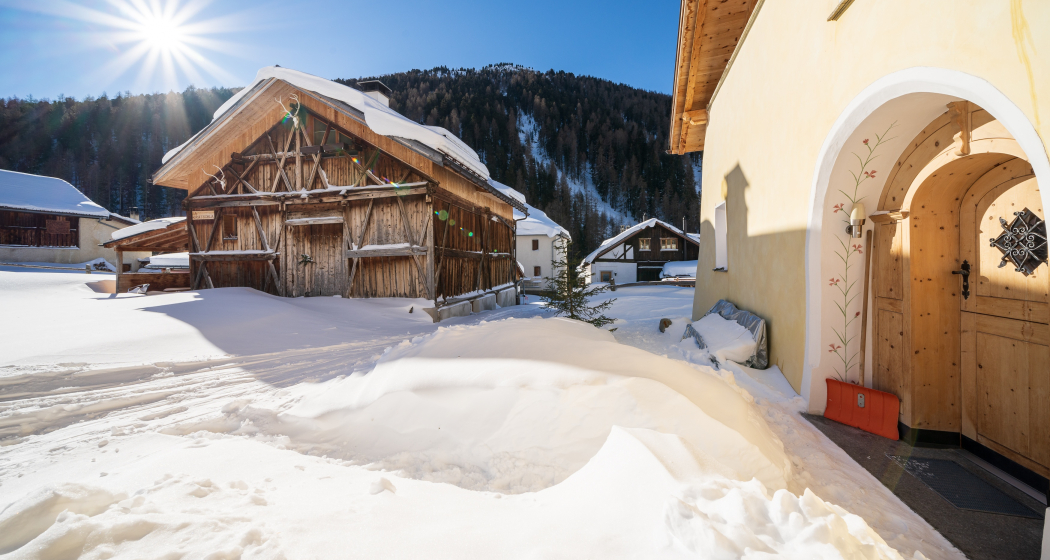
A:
(775, 292)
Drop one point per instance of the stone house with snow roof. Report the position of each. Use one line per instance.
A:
(639, 253)
(47, 220)
(304, 187)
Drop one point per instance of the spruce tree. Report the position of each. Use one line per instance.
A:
(567, 292)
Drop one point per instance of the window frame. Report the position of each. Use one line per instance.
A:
(537, 270)
(535, 244)
(229, 218)
(605, 276)
(664, 241)
(645, 244)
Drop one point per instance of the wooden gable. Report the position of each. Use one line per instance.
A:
(708, 34)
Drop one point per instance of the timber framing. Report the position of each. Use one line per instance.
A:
(291, 193)
(708, 34)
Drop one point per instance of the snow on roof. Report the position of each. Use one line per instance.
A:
(22, 191)
(170, 260)
(381, 119)
(159, 223)
(613, 241)
(538, 223)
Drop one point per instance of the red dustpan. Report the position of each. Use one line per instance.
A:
(870, 410)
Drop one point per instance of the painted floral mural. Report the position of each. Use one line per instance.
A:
(846, 333)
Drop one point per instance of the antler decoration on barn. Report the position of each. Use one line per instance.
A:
(289, 114)
(221, 178)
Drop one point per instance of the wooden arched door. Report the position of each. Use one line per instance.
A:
(1005, 337)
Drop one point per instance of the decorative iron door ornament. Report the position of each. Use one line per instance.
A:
(1022, 242)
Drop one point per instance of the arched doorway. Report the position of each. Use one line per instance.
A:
(963, 341)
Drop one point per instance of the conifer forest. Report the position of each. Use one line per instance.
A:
(589, 152)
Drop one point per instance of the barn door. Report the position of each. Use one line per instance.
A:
(318, 260)
(1005, 332)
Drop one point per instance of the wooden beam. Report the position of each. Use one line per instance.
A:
(314, 221)
(839, 10)
(412, 251)
(410, 235)
(360, 240)
(235, 256)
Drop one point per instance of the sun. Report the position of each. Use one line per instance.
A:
(168, 44)
(162, 33)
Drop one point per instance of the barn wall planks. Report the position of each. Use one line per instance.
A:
(357, 181)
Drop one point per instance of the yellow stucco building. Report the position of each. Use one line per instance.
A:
(926, 120)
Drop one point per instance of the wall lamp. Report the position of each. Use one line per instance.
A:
(856, 220)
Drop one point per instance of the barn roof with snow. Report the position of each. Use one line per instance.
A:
(429, 142)
(35, 193)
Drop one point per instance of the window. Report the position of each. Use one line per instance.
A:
(229, 227)
(668, 243)
(24, 229)
(643, 244)
(334, 137)
(535, 244)
(721, 247)
(536, 271)
(607, 276)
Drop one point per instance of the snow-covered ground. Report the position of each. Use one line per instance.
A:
(232, 424)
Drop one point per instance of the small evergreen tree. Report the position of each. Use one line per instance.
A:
(567, 292)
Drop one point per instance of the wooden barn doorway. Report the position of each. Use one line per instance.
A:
(963, 341)
(318, 258)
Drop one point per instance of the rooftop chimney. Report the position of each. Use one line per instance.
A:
(134, 215)
(376, 90)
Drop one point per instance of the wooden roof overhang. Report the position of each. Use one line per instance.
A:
(172, 239)
(256, 112)
(708, 34)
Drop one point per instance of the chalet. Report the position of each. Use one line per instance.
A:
(639, 253)
(880, 202)
(44, 219)
(304, 187)
(540, 242)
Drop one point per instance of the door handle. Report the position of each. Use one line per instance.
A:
(965, 273)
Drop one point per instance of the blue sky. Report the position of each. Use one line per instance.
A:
(87, 47)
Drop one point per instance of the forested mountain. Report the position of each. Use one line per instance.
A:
(589, 152)
(107, 146)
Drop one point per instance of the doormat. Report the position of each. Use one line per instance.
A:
(961, 487)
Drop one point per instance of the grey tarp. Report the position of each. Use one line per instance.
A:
(753, 323)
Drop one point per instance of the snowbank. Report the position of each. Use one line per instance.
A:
(679, 269)
(22, 191)
(159, 223)
(170, 260)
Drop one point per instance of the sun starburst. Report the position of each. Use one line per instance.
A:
(166, 42)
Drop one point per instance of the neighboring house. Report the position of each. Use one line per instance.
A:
(923, 124)
(44, 219)
(639, 253)
(304, 187)
(540, 242)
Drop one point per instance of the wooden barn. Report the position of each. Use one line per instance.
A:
(304, 187)
(639, 253)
